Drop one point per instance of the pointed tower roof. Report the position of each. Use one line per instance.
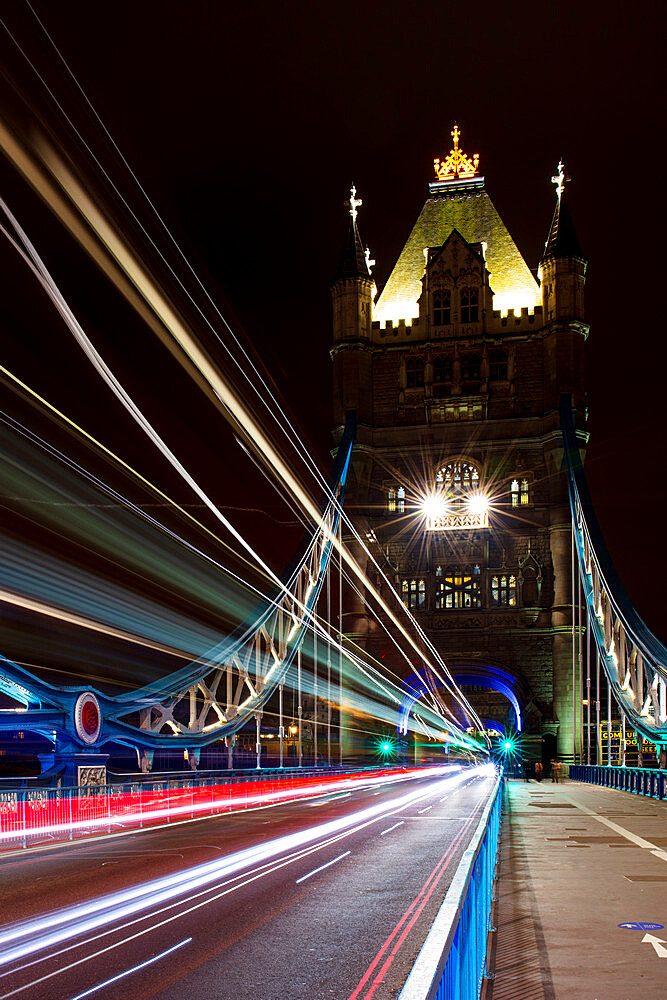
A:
(458, 200)
(562, 240)
(353, 261)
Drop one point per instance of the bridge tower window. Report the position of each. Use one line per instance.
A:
(400, 500)
(519, 492)
(442, 308)
(457, 588)
(498, 366)
(470, 368)
(503, 591)
(413, 594)
(469, 305)
(442, 370)
(391, 499)
(458, 478)
(414, 373)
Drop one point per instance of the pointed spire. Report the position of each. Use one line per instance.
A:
(562, 240)
(354, 261)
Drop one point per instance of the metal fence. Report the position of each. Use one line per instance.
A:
(640, 780)
(39, 815)
(452, 961)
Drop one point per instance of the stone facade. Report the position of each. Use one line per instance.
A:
(457, 396)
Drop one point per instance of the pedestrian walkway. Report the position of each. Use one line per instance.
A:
(577, 861)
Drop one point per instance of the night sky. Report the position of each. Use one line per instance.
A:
(247, 126)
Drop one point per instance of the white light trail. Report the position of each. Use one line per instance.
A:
(39, 933)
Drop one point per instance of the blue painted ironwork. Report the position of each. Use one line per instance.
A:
(253, 661)
(633, 658)
(452, 961)
(639, 780)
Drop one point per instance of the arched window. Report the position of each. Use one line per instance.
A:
(457, 587)
(442, 308)
(524, 495)
(519, 492)
(413, 594)
(498, 366)
(442, 370)
(503, 591)
(414, 373)
(458, 478)
(469, 305)
(391, 499)
(470, 368)
(514, 493)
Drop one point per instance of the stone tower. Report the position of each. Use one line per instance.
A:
(456, 373)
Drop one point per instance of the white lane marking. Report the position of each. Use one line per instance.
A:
(420, 811)
(135, 968)
(322, 867)
(628, 834)
(390, 828)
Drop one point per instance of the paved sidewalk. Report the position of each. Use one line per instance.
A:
(575, 862)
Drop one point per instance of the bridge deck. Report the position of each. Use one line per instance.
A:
(577, 861)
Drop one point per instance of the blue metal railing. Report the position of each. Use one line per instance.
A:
(452, 961)
(639, 780)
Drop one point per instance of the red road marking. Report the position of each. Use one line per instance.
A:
(426, 891)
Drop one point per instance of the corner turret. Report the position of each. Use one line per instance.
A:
(563, 265)
(352, 291)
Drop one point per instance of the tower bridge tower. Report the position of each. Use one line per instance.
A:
(455, 371)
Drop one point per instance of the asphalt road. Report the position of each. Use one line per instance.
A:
(329, 898)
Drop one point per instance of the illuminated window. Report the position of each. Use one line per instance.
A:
(442, 308)
(524, 497)
(519, 492)
(503, 591)
(391, 499)
(442, 370)
(400, 500)
(458, 478)
(470, 368)
(414, 373)
(457, 588)
(498, 366)
(396, 499)
(413, 594)
(469, 305)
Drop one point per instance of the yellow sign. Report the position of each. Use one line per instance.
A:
(457, 166)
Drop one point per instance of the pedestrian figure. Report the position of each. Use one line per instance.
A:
(555, 770)
(538, 770)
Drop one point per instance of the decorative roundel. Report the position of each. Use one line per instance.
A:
(87, 718)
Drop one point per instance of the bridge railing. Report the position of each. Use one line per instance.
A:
(639, 780)
(452, 961)
(31, 816)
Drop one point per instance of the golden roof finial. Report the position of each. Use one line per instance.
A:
(457, 166)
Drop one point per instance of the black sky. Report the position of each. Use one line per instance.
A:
(248, 123)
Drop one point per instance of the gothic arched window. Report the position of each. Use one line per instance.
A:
(469, 305)
(413, 594)
(458, 478)
(498, 366)
(442, 308)
(442, 370)
(470, 367)
(457, 587)
(503, 591)
(414, 373)
(400, 500)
